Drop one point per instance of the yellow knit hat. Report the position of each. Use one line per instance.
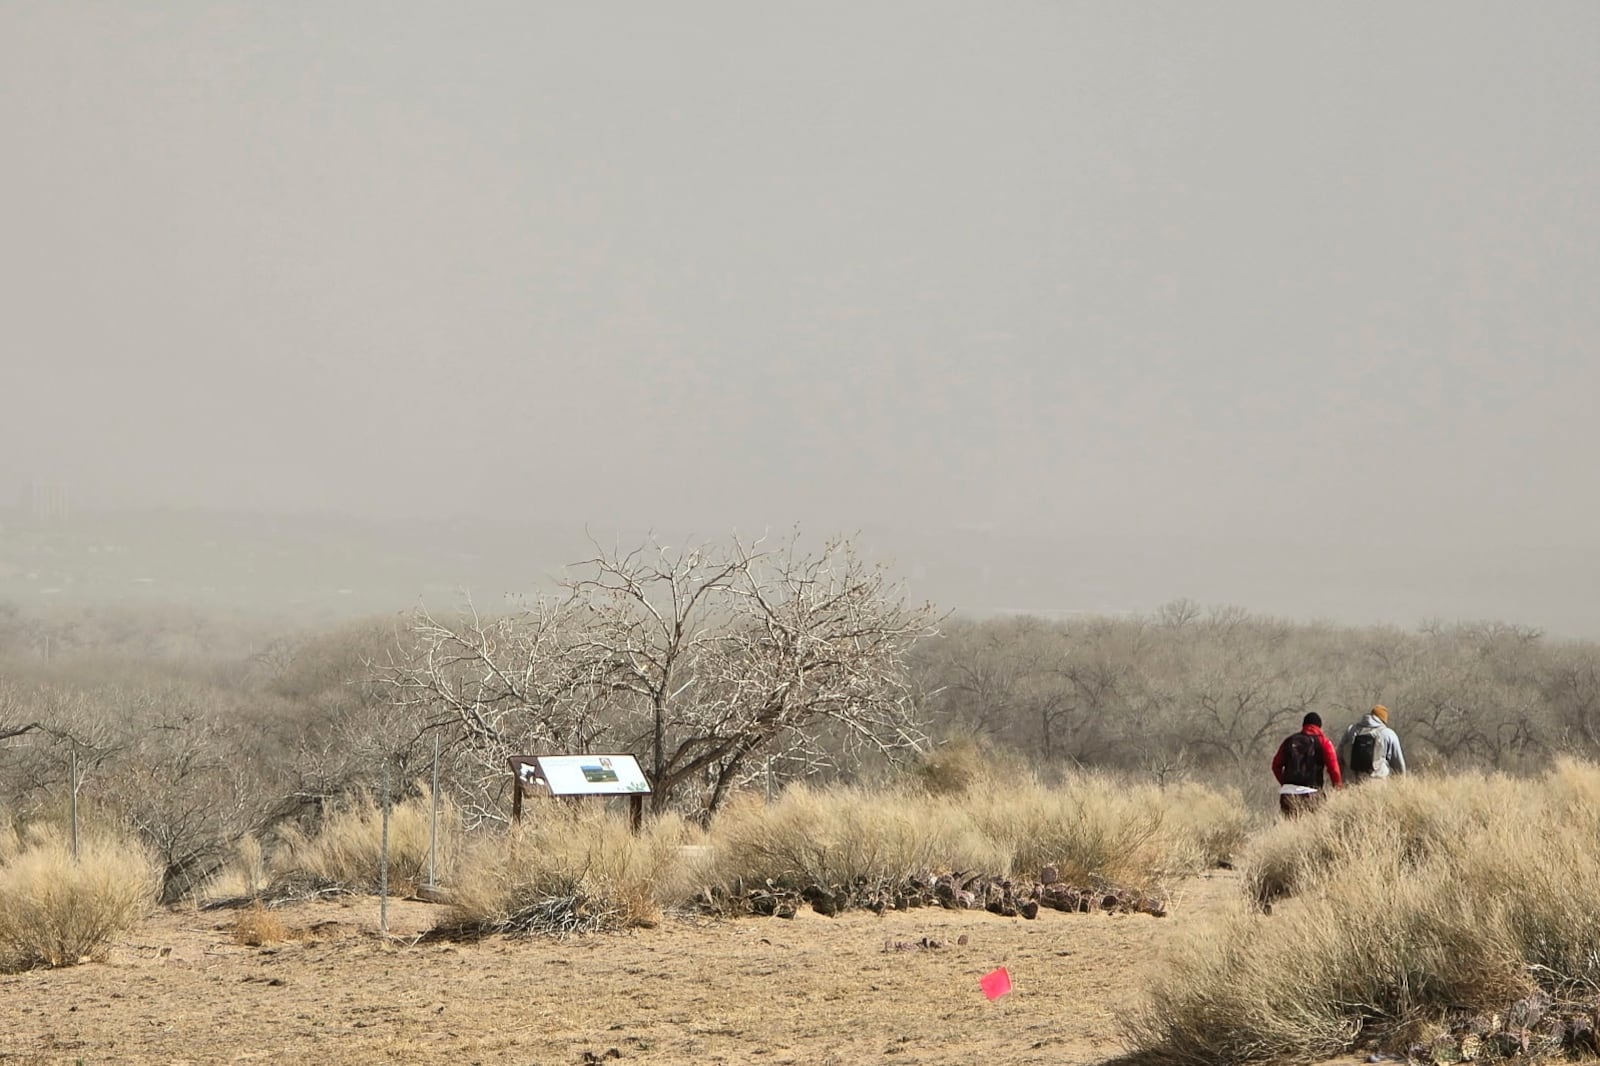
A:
(1381, 713)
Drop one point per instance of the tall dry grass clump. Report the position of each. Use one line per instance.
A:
(1093, 829)
(57, 911)
(966, 765)
(1416, 822)
(10, 837)
(245, 874)
(256, 926)
(1211, 822)
(571, 869)
(845, 835)
(344, 852)
(1422, 916)
(1098, 828)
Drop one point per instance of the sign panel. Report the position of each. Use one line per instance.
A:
(584, 775)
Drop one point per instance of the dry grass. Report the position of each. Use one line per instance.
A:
(55, 911)
(10, 837)
(1210, 821)
(1093, 829)
(571, 869)
(1410, 904)
(346, 849)
(256, 926)
(966, 766)
(244, 876)
(840, 836)
(1415, 820)
(1096, 828)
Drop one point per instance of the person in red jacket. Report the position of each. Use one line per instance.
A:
(1299, 766)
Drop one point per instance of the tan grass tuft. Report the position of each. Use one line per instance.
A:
(568, 870)
(1398, 907)
(841, 835)
(344, 853)
(55, 911)
(10, 837)
(256, 926)
(243, 876)
(966, 765)
(1093, 829)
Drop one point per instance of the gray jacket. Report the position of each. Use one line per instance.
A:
(1391, 760)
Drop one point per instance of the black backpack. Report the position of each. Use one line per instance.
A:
(1364, 751)
(1302, 761)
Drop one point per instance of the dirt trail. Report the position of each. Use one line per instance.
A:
(811, 990)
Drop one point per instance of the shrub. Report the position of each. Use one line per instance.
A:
(1415, 907)
(1414, 821)
(345, 852)
(844, 835)
(256, 925)
(965, 765)
(243, 876)
(569, 870)
(10, 837)
(1093, 829)
(55, 911)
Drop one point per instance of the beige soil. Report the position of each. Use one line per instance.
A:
(811, 990)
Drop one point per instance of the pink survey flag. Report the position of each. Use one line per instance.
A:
(995, 983)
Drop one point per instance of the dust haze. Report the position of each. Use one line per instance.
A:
(1058, 307)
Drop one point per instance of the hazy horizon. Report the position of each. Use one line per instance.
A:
(1284, 305)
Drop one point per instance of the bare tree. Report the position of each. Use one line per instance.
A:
(1240, 707)
(60, 717)
(696, 658)
(19, 710)
(1572, 689)
(815, 648)
(188, 784)
(489, 687)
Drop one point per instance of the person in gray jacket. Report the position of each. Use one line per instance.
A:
(1369, 750)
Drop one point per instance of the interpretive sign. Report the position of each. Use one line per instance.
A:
(578, 775)
(591, 775)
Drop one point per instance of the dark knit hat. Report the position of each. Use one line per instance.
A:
(1311, 718)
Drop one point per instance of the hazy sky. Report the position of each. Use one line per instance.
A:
(1277, 270)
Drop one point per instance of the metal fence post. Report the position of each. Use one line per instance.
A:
(383, 858)
(72, 784)
(433, 817)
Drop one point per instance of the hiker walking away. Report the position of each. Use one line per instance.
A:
(1370, 750)
(1299, 766)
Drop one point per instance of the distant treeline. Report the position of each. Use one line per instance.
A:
(200, 731)
(1214, 690)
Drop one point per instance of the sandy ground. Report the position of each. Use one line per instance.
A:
(811, 990)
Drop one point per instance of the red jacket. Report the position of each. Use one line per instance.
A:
(1330, 758)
